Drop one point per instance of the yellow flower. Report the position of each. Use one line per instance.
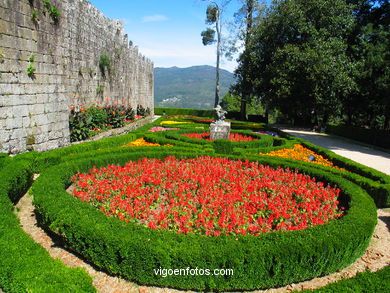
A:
(139, 142)
(168, 122)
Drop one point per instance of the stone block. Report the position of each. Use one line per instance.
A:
(19, 134)
(53, 135)
(41, 138)
(26, 122)
(220, 130)
(5, 135)
(37, 109)
(17, 146)
(13, 123)
(22, 110)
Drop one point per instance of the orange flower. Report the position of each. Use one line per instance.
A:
(123, 112)
(71, 107)
(82, 110)
(302, 154)
(142, 142)
(113, 112)
(107, 98)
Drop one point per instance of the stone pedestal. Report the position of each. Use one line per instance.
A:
(220, 130)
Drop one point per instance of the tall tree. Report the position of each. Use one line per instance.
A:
(214, 17)
(298, 58)
(247, 16)
(369, 45)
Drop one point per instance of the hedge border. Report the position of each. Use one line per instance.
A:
(376, 183)
(284, 258)
(24, 265)
(379, 138)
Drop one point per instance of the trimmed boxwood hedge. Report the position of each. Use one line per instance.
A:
(260, 141)
(24, 265)
(270, 260)
(376, 183)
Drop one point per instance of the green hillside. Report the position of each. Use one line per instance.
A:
(192, 87)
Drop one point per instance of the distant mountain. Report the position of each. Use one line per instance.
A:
(191, 87)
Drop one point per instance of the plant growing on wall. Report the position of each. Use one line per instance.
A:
(105, 64)
(31, 68)
(1, 56)
(52, 11)
(100, 90)
(34, 16)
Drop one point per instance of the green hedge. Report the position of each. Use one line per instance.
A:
(261, 141)
(24, 265)
(176, 111)
(367, 282)
(270, 260)
(376, 183)
(380, 138)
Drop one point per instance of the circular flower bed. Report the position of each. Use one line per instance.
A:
(211, 196)
(232, 137)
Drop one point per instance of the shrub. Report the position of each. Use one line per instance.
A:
(115, 115)
(24, 265)
(97, 116)
(79, 125)
(223, 146)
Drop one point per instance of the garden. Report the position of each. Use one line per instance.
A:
(274, 208)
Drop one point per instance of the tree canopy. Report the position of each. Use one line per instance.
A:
(319, 60)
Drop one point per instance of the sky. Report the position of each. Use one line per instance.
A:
(167, 31)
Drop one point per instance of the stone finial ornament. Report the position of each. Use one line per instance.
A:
(220, 113)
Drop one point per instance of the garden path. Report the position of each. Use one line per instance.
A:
(358, 152)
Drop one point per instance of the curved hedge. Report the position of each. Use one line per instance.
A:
(376, 183)
(270, 260)
(24, 265)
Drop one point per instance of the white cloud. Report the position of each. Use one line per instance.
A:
(154, 18)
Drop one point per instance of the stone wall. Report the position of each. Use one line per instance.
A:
(63, 57)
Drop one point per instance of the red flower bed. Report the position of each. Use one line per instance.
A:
(232, 137)
(211, 196)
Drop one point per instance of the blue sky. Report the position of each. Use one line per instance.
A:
(167, 31)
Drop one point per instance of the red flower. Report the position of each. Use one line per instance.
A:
(200, 196)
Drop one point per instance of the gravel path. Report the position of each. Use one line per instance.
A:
(358, 152)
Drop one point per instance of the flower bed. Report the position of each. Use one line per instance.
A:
(140, 142)
(211, 196)
(232, 137)
(298, 152)
(159, 128)
(85, 122)
(133, 251)
(173, 122)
